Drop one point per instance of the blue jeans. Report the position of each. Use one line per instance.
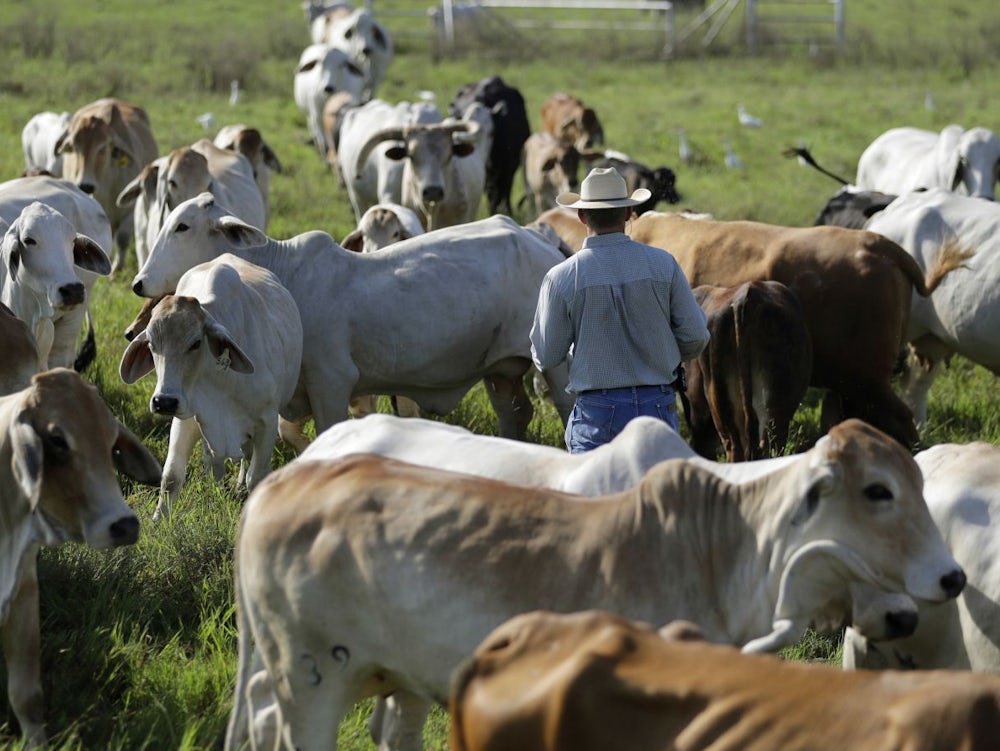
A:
(600, 415)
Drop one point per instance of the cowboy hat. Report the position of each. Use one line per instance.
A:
(603, 188)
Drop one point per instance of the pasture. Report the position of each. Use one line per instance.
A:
(138, 644)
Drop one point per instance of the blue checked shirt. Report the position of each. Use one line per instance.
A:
(621, 312)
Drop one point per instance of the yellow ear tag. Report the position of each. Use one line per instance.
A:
(123, 161)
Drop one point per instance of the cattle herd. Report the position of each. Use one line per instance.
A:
(520, 586)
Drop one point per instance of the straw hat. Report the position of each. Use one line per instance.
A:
(603, 188)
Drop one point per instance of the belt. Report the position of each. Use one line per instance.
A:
(663, 388)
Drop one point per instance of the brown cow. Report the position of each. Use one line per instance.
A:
(106, 145)
(20, 355)
(565, 117)
(593, 680)
(59, 449)
(745, 386)
(855, 288)
(567, 226)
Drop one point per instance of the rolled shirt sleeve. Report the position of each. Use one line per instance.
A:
(687, 319)
(552, 330)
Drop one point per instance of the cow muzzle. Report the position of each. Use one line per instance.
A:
(124, 531)
(900, 624)
(87, 188)
(164, 405)
(71, 294)
(953, 583)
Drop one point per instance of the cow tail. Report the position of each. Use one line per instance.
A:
(951, 255)
(750, 427)
(238, 728)
(88, 350)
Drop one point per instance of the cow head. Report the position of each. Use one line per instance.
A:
(65, 447)
(180, 342)
(39, 251)
(196, 231)
(97, 156)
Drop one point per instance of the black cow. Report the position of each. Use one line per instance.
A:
(852, 208)
(510, 130)
(659, 181)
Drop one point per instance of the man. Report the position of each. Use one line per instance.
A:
(621, 312)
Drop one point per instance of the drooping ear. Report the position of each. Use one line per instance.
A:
(240, 234)
(144, 182)
(26, 446)
(819, 480)
(226, 351)
(948, 156)
(137, 360)
(134, 460)
(354, 242)
(13, 248)
(270, 158)
(88, 255)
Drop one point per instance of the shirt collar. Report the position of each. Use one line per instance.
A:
(605, 241)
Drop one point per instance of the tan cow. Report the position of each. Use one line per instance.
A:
(250, 143)
(566, 224)
(746, 385)
(106, 145)
(20, 355)
(855, 288)
(59, 449)
(367, 576)
(566, 118)
(550, 167)
(593, 681)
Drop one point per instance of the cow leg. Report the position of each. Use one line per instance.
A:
(123, 238)
(397, 724)
(918, 377)
(511, 403)
(183, 436)
(292, 433)
(21, 650)
(264, 715)
(263, 448)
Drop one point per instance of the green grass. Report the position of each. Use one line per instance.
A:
(139, 644)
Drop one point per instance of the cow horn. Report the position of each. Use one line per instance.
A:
(469, 130)
(386, 134)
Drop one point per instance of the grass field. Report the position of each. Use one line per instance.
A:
(139, 644)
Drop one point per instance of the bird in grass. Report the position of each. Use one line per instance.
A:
(746, 119)
(684, 151)
(732, 161)
(929, 102)
(234, 92)
(206, 120)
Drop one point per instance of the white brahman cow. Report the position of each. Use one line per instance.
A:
(904, 159)
(377, 179)
(20, 355)
(407, 154)
(426, 319)
(355, 31)
(90, 220)
(38, 282)
(184, 173)
(962, 488)
(322, 72)
(38, 142)
(106, 145)
(226, 347)
(366, 576)
(59, 449)
(250, 143)
(963, 314)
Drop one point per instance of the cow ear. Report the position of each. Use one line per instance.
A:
(88, 255)
(133, 459)
(354, 242)
(820, 480)
(130, 193)
(227, 352)
(271, 159)
(137, 360)
(14, 249)
(26, 460)
(239, 233)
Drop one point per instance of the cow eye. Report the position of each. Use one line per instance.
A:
(56, 446)
(354, 69)
(29, 241)
(348, 34)
(877, 492)
(182, 227)
(195, 345)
